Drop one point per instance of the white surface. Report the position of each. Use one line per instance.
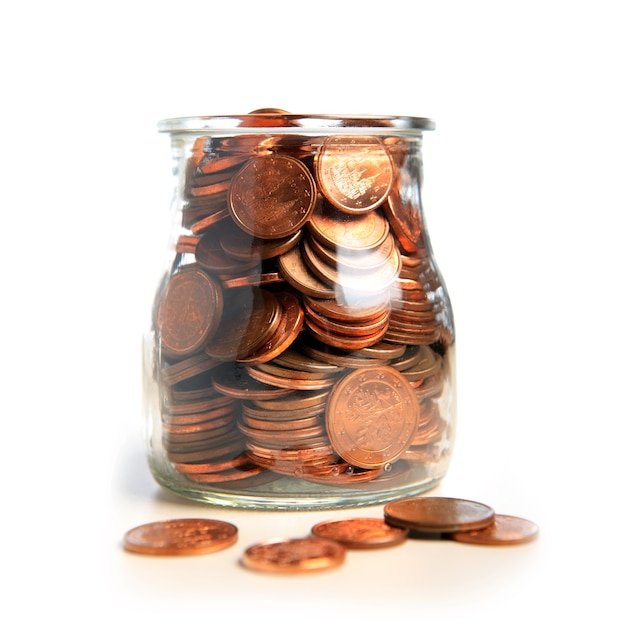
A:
(524, 199)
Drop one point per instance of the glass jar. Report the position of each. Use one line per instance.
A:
(301, 347)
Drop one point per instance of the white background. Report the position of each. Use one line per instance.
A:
(524, 197)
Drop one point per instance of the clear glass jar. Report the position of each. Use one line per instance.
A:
(301, 352)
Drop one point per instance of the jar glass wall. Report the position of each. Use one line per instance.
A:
(301, 346)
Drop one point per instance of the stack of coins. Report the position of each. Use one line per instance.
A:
(303, 330)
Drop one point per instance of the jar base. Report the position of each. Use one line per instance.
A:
(291, 494)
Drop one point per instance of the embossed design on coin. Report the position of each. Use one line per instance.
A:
(291, 556)
(189, 312)
(354, 172)
(438, 515)
(361, 532)
(181, 537)
(506, 530)
(371, 416)
(272, 196)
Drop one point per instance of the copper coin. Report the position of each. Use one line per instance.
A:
(375, 281)
(342, 312)
(233, 380)
(229, 475)
(272, 196)
(298, 275)
(344, 342)
(355, 233)
(189, 312)
(506, 530)
(254, 315)
(294, 556)
(291, 322)
(181, 537)
(402, 209)
(211, 256)
(218, 465)
(290, 383)
(240, 245)
(371, 416)
(438, 515)
(188, 368)
(361, 532)
(354, 172)
(211, 164)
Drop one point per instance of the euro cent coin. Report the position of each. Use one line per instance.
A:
(177, 537)
(438, 514)
(361, 532)
(371, 416)
(506, 530)
(189, 312)
(294, 556)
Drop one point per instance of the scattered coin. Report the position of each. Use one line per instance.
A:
(185, 536)
(291, 556)
(361, 532)
(438, 514)
(506, 530)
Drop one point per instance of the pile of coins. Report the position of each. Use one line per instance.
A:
(303, 330)
(455, 519)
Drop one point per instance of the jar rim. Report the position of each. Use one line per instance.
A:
(288, 122)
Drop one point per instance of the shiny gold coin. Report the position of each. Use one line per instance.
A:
(361, 532)
(184, 536)
(371, 416)
(354, 172)
(272, 197)
(294, 556)
(506, 530)
(438, 514)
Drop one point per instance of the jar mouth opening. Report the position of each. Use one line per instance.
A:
(288, 122)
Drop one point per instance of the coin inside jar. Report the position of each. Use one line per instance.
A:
(371, 416)
(438, 514)
(189, 312)
(272, 196)
(354, 172)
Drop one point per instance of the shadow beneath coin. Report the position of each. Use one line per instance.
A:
(419, 534)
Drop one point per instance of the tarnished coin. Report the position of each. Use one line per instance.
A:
(189, 313)
(183, 536)
(371, 416)
(438, 514)
(361, 532)
(506, 530)
(294, 556)
(272, 196)
(354, 172)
